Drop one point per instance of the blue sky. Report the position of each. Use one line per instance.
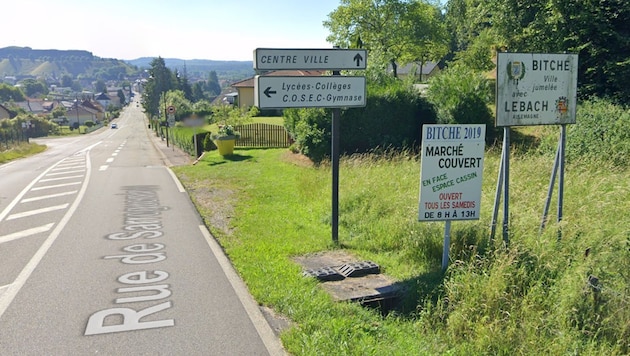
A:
(186, 29)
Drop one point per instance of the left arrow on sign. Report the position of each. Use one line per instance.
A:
(269, 91)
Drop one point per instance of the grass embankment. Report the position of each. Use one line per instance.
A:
(534, 297)
(19, 151)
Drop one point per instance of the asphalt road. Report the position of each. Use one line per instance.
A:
(102, 252)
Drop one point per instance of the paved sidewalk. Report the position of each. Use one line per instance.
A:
(172, 155)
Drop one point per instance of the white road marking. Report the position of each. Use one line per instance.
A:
(37, 211)
(60, 178)
(25, 233)
(6, 211)
(103, 168)
(60, 173)
(56, 186)
(9, 294)
(179, 185)
(68, 167)
(43, 197)
(251, 307)
(109, 160)
(3, 288)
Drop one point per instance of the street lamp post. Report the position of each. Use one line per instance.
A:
(76, 102)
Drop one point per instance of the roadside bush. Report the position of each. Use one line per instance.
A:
(310, 128)
(392, 118)
(462, 96)
(600, 135)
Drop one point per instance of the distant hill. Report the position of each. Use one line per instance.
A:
(198, 68)
(23, 62)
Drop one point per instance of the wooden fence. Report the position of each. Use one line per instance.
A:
(262, 135)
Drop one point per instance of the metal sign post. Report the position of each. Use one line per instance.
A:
(336, 92)
(534, 89)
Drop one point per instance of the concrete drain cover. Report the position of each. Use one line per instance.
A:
(364, 283)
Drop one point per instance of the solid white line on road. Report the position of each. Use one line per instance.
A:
(274, 347)
(56, 186)
(7, 297)
(37, 211)
(3, 288)
(25, 233)
(179, 185)
(60, 178)
(50, 196)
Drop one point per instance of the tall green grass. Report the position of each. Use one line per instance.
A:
(19, 151)
(539, 295)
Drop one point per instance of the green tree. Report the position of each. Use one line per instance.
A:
(202, 108)
(34, 87)
(212, 84)
(197, 91)
(100, 86)
(59, 111)
(160, 81)
(121, 97)
(66, 81)
(177, 98)
(10, 93)
(393, 30)
(596, 30)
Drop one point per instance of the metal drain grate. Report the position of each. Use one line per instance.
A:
(324, 274)
(359, 269)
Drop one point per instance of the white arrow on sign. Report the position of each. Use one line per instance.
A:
(309, 59)
(276, 92)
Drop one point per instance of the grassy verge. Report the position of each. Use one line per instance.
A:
(540, 295)
(20, 151)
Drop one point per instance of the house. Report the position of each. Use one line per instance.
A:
(4, 112)
(245, 88)
(104, 100)
(94, 105)
(422, 71)
(81, 115)
(32, 106)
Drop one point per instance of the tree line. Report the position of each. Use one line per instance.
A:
(166, 87)
(469, 32)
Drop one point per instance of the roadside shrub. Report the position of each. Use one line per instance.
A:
(392, 118)
(208, 145)
(310, 128)
(601, 134)
(462, 96)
